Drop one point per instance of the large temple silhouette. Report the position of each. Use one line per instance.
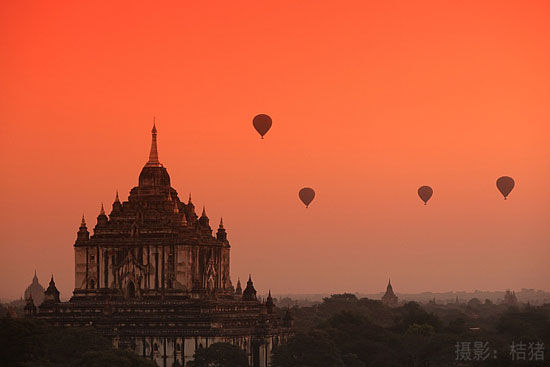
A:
(154, 278)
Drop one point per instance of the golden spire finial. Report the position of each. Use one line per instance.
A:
(221, 222)
(83, 222)
(117, 200)
(102, 211)
(153, 154)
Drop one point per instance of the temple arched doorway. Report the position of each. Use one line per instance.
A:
(131, 291)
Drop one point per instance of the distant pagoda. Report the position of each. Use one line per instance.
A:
(389, 298)
(35, 291)
(154, 278)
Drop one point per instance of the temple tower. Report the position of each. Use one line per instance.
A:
(389, 298)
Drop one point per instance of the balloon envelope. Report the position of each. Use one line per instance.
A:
(306, 195)
(425, 193)
(505, 185)
(262, 124)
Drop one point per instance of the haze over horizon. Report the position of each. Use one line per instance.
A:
(368, 101)
(263, 292)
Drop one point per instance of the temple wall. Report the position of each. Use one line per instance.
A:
(226, 278)
(150, 267)
(184, 276)
(92, 268)
(80, 268)
(189, 349)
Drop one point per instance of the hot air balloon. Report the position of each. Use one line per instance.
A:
(425, 193)
(505, 185)
(306, 195)
(262, 124)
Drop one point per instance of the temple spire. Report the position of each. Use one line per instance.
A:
(51, 295)
(102, 217)
(389, 298)
(222, 234)
(239, 290)
(82, 233)
(203, 220)
(270, 305)
(249, 293)
(153, 154)
(117, 205)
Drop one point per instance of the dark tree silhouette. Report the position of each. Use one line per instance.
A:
(219, 355)
(34, 343)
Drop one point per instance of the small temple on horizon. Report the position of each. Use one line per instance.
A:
(389, 298)
(35, 290)
(155, 279)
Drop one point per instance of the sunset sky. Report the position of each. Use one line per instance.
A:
(369, 101)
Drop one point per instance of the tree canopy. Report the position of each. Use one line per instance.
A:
(345, 331)
(34, 343)
(219, 355)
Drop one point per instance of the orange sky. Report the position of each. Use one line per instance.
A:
(369, 100)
